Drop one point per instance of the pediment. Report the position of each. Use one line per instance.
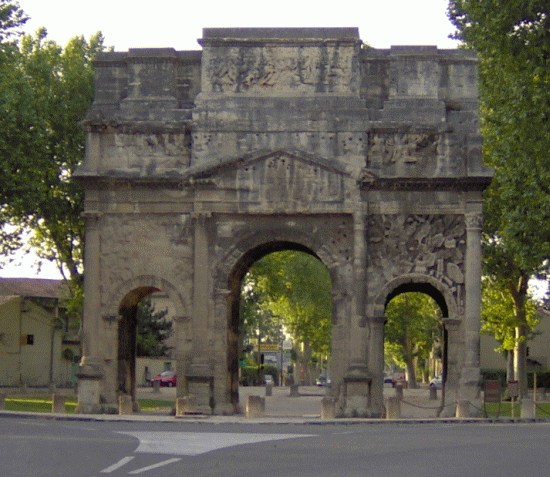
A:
(281, 177)
(210, 170)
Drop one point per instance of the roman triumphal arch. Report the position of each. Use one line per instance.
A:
(200, 162)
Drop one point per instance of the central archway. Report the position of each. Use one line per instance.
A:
(235, 320)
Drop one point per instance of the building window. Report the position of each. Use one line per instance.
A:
(30, 339)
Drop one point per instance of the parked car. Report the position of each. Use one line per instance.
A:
(389, 380)
(167, 378)
(322, 381)
(437, 382)
(268, 379)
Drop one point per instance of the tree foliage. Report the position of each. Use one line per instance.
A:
(292, 289)
(413, 325)
(512, 38)
(45, 90)
(152, 330)
(12, 18)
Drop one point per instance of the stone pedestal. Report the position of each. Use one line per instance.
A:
(269, 389)
(357, 392)
(433, 393)
(527, 409)
(255, 406)
(125, 404)
(89, 380)
(393, 408)
(399, 391)
(58, 403)
(463, 408)
(294, 390)
(186, 405)
(328, 408)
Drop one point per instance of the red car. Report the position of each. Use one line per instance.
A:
(167, 378)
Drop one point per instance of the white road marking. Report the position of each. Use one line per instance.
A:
(154, 466)
(116, 466)
(195, 443)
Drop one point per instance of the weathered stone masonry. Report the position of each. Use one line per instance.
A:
(199, 163)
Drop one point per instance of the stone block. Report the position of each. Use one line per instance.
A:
(294, 390)
(463, 408)
(255, 406)
(269, 389)
(156, 387)
(433, 393)
(186, 405)
(328, 408)
(527, 408)
(399, 391)
(393, 408)
(58, 403)
(125, 404)
(2, 402)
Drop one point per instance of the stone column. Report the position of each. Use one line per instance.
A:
(469, 382)
(454, 351)
(199, 374)
(91, 366)
(376, 363)
(357, 381)
(358, 349)
(200, 287)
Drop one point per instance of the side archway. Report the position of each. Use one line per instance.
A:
(120, 321)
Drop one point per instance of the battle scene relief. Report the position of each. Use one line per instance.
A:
(433, 245)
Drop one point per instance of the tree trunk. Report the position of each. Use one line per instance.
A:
(510, 365)
(519, 295)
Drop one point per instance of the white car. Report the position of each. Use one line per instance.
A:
(268, 379)
(437, 382)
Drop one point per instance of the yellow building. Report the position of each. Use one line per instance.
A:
(35, 348)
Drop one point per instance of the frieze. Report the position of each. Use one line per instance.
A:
(267, 69)
(401, 147)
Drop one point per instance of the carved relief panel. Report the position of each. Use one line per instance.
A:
(433, 245)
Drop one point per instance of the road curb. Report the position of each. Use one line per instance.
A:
(262, 421)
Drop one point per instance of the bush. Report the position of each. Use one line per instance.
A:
(251, 377)
(543, 377)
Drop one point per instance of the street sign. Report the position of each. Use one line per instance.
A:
(513, 389)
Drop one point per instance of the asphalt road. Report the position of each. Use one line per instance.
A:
(37, 447)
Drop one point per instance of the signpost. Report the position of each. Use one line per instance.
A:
(491, 393)
(513, 393)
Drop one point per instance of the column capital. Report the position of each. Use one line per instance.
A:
(473, 221)
(451, 324)
(376, 320)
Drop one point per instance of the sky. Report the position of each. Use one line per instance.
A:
(178, 24)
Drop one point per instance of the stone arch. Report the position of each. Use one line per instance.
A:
(130, 292)
(232, 259)
(120, 319)
(420, 283)
(231, 267)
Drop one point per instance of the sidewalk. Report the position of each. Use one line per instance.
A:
(280, 408)
(415, 405)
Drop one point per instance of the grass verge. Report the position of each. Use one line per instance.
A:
(44, 404)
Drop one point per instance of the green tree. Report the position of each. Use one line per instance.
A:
(413, 325)
(293, 289)
(44, 95)
(153, 329)
(512, 38)
(12, 18)
(498, 318)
